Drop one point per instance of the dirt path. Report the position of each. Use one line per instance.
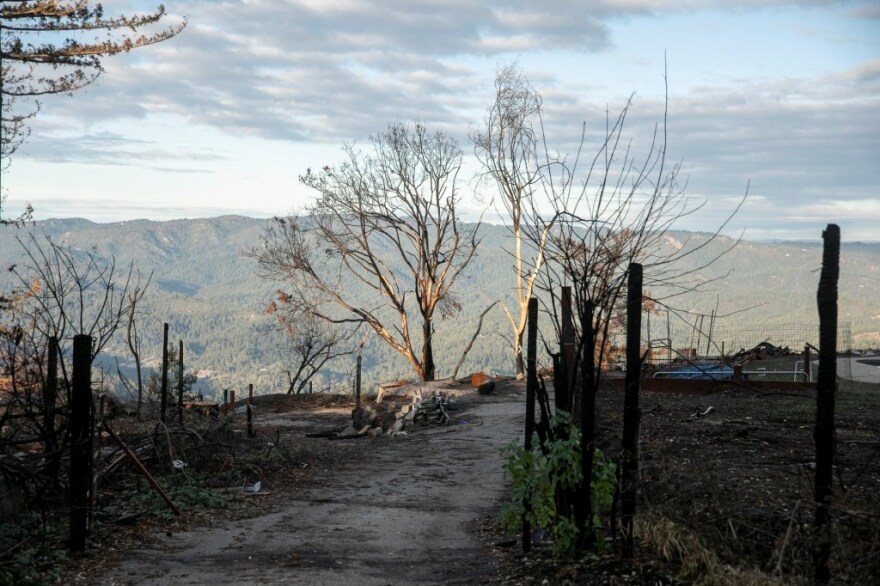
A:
(404, 516)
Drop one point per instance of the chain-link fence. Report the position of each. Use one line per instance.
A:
(705, 339)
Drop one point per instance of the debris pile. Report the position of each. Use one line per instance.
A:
(395, 418)
(762, 351)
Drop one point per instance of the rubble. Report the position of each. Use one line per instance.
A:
(394, 418)
(760, 352)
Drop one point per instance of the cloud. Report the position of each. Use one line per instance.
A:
(335, 71)
(112, 148)
(870, 11)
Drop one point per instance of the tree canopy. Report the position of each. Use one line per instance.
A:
(45, 49)
(388, 220)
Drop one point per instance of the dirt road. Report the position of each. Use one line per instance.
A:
(406, 515)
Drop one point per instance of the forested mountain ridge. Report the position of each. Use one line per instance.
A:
(208, 290)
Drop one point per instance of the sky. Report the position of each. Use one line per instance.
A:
(780, 98)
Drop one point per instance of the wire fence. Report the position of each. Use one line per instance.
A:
(708, 339)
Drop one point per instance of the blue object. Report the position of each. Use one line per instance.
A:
(708, 372)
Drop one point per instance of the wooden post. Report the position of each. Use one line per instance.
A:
(531, 389)
(163, 403)
(699, 337)
(232, 402)
(583, 509)
(826, 387)
(80, 443)
(565, 395)
(631, 412)
(50, 440)
(225, 401)
(180, 384)
(250, 415)
(310, 387)
(668, 337)
(807, 365)
(357, 383)
(709, 337)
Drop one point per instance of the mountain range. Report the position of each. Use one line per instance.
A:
(205, 287)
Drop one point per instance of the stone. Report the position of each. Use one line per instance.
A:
(363, 417)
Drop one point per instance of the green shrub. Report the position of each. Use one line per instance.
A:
(549, 468)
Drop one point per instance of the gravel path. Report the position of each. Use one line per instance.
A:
(407, 516)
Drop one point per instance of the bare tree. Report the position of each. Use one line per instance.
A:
(508, 149)
(133, 340)
(61, 292)
(45, 50)
(75, 291)
(386, 220)
(602, 214)
(312, 341)
(609, 212)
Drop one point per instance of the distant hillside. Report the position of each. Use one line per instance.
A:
(207, 290)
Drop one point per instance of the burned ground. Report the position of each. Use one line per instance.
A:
(726, 497)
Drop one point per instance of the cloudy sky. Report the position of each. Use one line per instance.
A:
(226, 116)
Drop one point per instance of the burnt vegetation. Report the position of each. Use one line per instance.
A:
(729, 487)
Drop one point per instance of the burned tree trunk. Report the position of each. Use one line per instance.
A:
(631, 411)
(531, 389)
(427, 350)
(584, 509)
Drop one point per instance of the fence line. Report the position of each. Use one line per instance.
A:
(707, 340)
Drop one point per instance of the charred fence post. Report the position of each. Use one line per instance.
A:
(357, 383)
(826, 387)
(50, 438)
(531, 389)
(232, 402)
(225, 401)
(163, 403)
(631, 411)
(180, 384)
(807, 374)
(584, 503)
(80, 442)
(250, 415)
(565, 392)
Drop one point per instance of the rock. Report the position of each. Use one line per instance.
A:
(348, 431)
(386, 420)
(363, 417)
